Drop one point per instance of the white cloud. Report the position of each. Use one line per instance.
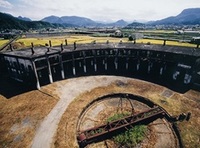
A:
(102, 9)
(5, 4)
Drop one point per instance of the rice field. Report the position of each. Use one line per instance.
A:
(174, 43)
(81, 39)
(2, 42)
(70, 39)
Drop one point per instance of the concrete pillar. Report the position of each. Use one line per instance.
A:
(164, 42)
(107, 42)
(73, 64)
(161, 70)
(11, 48)
(138, 65)
(149, 67)
(36, 75)
(106, 63)
(84, 63)
(61, 66)
(50, 45)
(61, 46)
(74, 45)
(134, 42)
(32, 49)
(95, 60)
(116, 59)
(18, 68)
(95, 66)
(126, 63)
(66, 42)
(49, 69)
(116, 63)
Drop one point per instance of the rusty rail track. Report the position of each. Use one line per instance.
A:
(105, 131)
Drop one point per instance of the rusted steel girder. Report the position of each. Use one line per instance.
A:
(102, 132)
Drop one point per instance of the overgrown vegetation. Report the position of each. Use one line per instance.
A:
(117, 116)
(131, 137)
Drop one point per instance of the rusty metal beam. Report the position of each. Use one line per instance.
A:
(93, 134)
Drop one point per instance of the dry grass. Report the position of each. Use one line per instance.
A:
(20, 117)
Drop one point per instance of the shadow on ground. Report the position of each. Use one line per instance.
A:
(10, 88)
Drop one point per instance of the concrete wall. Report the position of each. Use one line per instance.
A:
(160, 67)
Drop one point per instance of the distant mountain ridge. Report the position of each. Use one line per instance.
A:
(10, 22)
(119, 23)
(81, 21)
(72, 20)
(24, 18)
(189, 16)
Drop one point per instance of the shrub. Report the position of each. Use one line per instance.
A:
(132, 136)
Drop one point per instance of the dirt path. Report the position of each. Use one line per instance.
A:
(67, 91)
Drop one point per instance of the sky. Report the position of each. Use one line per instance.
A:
(98, 10)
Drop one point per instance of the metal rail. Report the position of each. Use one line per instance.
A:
(104, 131)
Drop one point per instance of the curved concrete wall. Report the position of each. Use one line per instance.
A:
(157, 66)
(173, 66)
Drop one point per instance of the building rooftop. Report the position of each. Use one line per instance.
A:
(42, 51)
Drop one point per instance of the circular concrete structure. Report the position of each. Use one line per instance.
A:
(160, 131)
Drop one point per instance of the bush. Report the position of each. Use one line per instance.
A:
(130, 38)
(117, 116)
(131, 137)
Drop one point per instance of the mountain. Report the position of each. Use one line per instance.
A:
(10, 22)
(51, 19)
(119, 23)
(186, 17)
(72, 20)
(135, 25)
(24, 18)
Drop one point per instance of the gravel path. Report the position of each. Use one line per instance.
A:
(67, 90)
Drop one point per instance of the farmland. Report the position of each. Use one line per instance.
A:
(81, 39)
